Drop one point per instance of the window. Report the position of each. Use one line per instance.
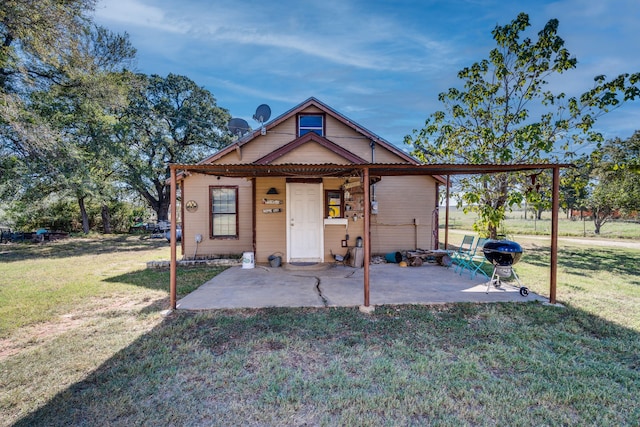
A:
(333, 204)
(311, 123)
(224, 212)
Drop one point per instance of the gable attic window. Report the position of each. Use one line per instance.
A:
(224, 212)
(311, 123)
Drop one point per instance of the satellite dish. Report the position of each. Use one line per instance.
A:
(238, 126)
(263, 112)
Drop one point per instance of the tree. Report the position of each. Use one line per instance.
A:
(490, 121)
(616, 180)
(78, 160)
(36, 39)
(169, 120)
(574, 185)
(537, 193)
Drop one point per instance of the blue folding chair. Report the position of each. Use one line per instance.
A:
(465, 248)
(465, 259)
(474, 260)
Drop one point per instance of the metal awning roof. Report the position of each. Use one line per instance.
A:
(379, 169)
(366, 171)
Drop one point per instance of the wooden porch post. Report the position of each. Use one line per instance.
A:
(172, 238)
(554, 235)
(446, 218)
(367, 243)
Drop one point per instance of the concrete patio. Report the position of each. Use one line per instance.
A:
(339, 286)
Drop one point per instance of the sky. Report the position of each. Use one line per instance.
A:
(380, 63)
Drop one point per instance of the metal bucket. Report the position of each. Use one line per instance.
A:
(275, 260)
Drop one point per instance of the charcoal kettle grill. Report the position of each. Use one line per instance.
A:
(503, 254)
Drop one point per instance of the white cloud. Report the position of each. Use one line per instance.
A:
(344, 37)
(382, 62)
(134, 13)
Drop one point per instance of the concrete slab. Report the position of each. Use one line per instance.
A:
(344, 287)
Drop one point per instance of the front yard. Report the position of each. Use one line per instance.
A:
(83, 343)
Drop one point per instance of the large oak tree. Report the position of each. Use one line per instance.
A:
(169, 120)
(58, 87)
(38, 38)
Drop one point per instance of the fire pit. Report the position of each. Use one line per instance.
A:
(503, 254)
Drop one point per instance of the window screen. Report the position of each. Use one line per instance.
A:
(224, 212)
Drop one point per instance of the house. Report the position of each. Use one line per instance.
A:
(307, 184)
(294, 188)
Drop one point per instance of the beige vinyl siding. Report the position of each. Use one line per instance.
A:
(196, 187)
(271, 228)
(311, 153)
(262, 145)
(358, 144)
(271, 231)
(401, 201)
(334, 234)
(336, 131)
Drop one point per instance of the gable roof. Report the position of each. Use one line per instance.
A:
(327, 110)
(307, 138)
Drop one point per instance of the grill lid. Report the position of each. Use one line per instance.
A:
(502, 252)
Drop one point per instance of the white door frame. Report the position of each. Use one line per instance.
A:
(320, 230)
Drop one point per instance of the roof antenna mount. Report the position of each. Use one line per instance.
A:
(263, 112)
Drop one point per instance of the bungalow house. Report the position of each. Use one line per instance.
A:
(307, 184)
(293, 188)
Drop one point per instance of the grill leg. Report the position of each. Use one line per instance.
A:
(516, 277)
(494, 278)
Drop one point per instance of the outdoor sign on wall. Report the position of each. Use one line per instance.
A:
(191, 206)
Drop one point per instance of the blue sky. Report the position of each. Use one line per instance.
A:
(380, 63)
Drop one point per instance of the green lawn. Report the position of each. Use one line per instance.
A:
(43, 282)
(106, 356)
(515, 223)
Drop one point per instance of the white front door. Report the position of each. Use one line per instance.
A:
(304, 222)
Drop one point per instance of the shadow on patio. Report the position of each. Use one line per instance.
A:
(340, 286)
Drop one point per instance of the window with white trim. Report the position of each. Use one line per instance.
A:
(311, 123)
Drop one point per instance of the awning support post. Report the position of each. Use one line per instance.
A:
(554, 235)
(367, 235)
(173, 239)
(446, 218)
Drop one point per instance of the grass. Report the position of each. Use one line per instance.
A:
(110, 358)
(452, 365)
(516, 224)
(43, 282)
